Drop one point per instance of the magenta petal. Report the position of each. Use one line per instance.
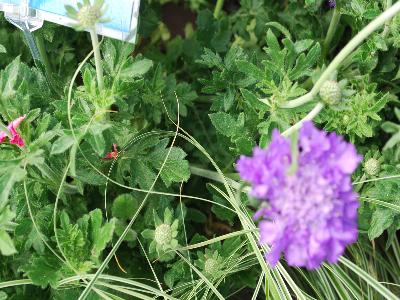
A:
(17, 140)
(3, 136)
(15, 124)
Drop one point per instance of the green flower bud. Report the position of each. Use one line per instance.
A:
(89, 15)
(163, 234)
(346, 119)
(331, 92)
(211, 266)
(372, 166)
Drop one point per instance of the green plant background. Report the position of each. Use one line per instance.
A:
(168, 219)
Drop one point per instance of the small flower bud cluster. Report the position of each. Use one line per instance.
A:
(87, 14)
(372, 166)
(330, 92)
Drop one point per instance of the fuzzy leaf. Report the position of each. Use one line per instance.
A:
(62, 144)
(124, 206)
(44, 270)
(224, 123)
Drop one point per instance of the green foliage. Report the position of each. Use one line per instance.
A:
(6, 243)
(83, 242)
(358, 116)
(228, 80)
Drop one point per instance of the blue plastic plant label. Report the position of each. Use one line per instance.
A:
(122, 15)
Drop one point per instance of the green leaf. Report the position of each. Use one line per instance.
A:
(9, 176)
(304, 63)
(253, 101)
(148, 234)
(3, 295)
(176, 168)
(224, 123)
(44, 270)
(222, 213)
(62, 144)
(281, 28)
(136, 69)
(100, 235)
(211, 59)
(381, 220)
(6, 244)
(250, 69)
(125, 206)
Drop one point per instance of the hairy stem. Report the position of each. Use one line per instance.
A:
(311, 115)
(218, 8)
(97, 58)
(346, 51)
(331, 32)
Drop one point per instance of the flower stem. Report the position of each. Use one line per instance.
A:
(331, 31)
(347, 50)
(311, 115)
(97, 58)
(218, 8)
(213, 176)
(387, 24)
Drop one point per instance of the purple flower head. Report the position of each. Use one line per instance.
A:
(311, 215)
(331, 3)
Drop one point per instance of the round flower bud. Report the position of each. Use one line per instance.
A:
(331, 92)
(372, 166)
(346, 119)
(88, 15)
(163, 234)
(211, 266)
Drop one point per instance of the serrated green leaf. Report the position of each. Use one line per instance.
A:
(100, 234)
(44, 270)
(125, 206)
(62, 144)
(250, 69)
(381, 220)
(136, 69)
(224, 123)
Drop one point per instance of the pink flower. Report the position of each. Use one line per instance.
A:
(111, 155)
(16, 138)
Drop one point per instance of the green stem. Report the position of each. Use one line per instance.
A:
(359, 186)
(387, 24)
(218, 8)
(294, 149)
(97, 58)
(311, 115)
(331, 31)
(346, 51)
(213, 176)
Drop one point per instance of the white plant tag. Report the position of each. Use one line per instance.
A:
(122, 15)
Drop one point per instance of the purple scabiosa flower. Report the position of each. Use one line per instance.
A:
(311, 214)
(331, 3)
